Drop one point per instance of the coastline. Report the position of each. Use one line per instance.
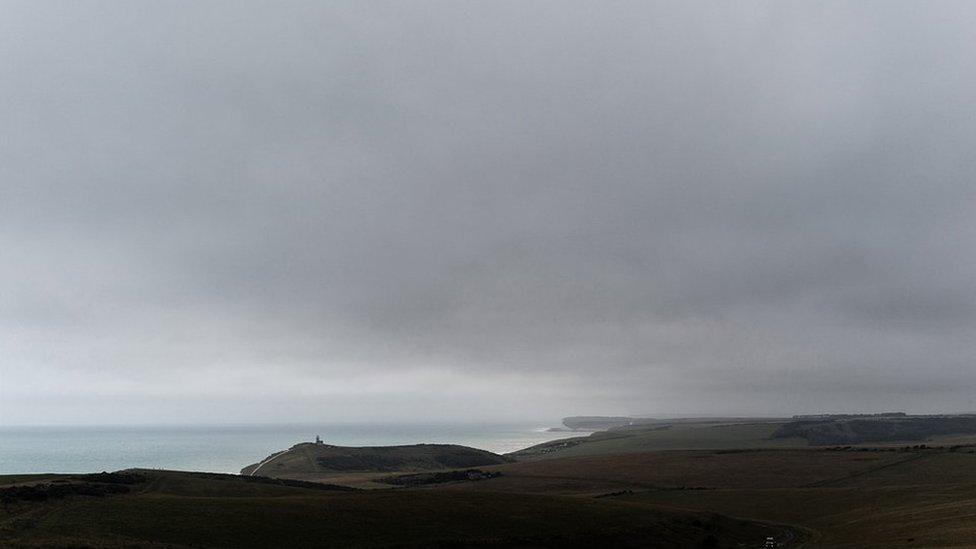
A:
(227, 448)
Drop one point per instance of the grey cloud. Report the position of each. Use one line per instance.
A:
(655, 207)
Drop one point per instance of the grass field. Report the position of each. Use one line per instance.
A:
(852, 498)
(689, 436)
(731, 433)
(169, 509)
(15, 479)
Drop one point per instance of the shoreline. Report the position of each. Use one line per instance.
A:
(225, 449)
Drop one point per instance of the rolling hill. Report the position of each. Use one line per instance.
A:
(319, 461)
(165, 509)
(743, 433)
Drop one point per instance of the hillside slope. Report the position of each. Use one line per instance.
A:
(307, 459)
(745, 433)
(175, 510)
(854, 497)
(665, 436)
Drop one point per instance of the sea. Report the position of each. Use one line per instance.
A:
(228, 448)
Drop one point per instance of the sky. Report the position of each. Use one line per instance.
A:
(248, 211)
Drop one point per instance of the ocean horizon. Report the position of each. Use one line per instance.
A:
(229, 448)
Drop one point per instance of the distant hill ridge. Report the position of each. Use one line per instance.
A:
(881, 428)
(600, 423)
(604, 423)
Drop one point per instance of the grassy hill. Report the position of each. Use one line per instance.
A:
(855, 430)
(173, 509)
(859, 497)
(742, 433)
(923, 498)
(666, 436)
(321, 461)
(873, 497)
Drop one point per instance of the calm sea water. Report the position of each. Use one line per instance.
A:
(226, 449)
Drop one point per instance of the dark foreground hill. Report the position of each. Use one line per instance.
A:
(176, 510)
(858, 497)
(855, 497)
(317, 460)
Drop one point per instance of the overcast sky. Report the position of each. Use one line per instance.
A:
(329, 211)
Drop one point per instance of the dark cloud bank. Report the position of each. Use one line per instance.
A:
(267, 211)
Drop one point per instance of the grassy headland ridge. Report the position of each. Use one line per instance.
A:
(750, 433)
(311, 460)
(696, 434)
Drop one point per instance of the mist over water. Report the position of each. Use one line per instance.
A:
(226, 449)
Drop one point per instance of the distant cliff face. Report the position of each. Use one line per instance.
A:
(325, 459)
